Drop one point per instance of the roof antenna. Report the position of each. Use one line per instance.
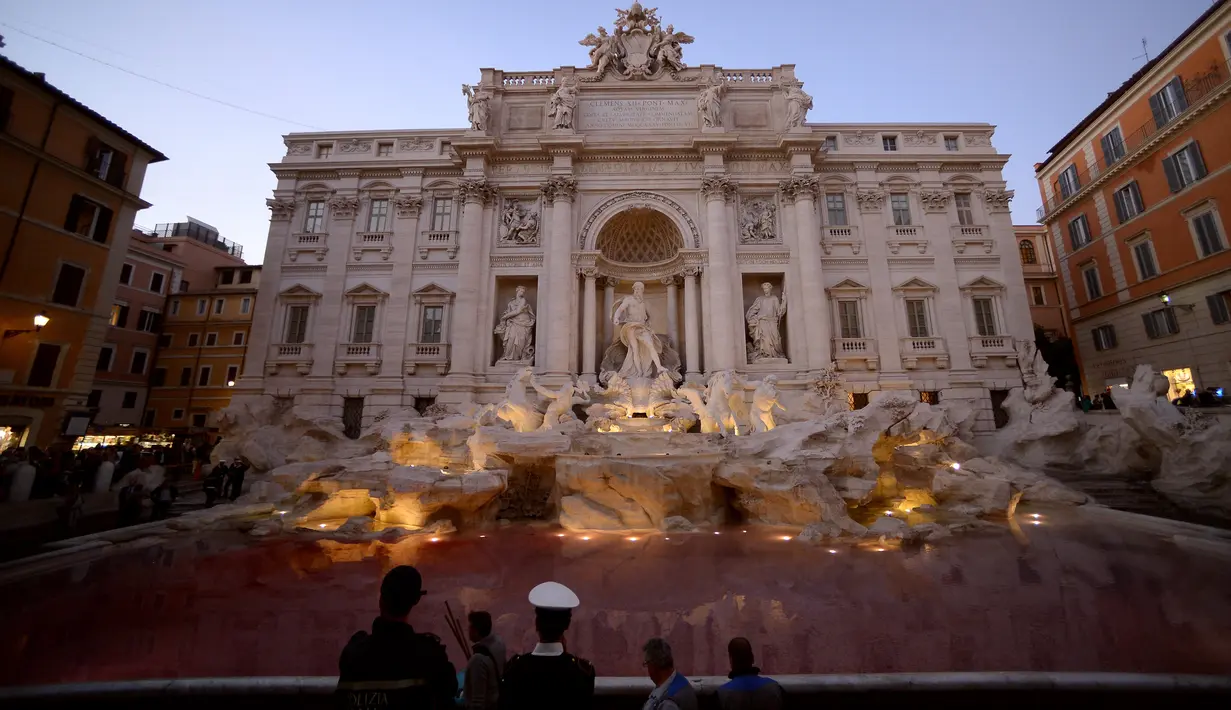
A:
(1145, 51)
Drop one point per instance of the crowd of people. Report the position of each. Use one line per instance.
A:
(394, 666)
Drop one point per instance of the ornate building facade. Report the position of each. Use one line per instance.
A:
(413, 266)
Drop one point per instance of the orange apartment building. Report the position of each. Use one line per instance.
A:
(70, 184)
(204, 339)
(1042, 280)
(1133, 199)
(121, 379)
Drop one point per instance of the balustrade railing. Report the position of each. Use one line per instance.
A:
(854, 346)
(904, 231)
(358, 351)
(529, 79)
(310, 238)
(439, 237)
(290, 351)
(372, 238)
(923, 345)
(840, 233)
(990, 343)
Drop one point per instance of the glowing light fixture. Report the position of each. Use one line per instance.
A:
(230, 383)
(322, 525)
(888, 512)
(1036, 516)
(1035, 522)
(833, 552)
(585, 537)
(482, 536)
(435, 539)
(632, 539)
(785, 537)
(40, 320)
(1165, 298)
(880, 549)
(955, 466)
(717, 533)
(559, 534)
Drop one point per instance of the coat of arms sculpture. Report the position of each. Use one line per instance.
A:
(637, 48)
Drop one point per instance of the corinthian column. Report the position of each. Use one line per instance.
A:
(718, 190)
(560, 275)
(609, 285)
(673, 325)
(465, 337)
(589, 328)
(692, 330)
(803, 190)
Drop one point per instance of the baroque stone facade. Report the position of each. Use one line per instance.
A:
(392, 257)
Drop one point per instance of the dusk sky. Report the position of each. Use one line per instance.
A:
(1033, 69)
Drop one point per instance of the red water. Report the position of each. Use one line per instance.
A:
(1062, 597)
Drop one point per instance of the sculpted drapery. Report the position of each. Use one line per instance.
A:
(764, 319)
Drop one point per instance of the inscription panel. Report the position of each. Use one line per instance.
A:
(637, 114)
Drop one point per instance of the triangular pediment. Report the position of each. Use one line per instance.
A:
(848, 285)
(983, 282)
(298, 291)
(366, 289)
(915, 284)
(433, 289)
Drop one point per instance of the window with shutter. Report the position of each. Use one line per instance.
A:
(1069, 182)
(104, 359)
(43, 369)
(1104, 337)
(137, 366)
(1209, 240)
(1094, 288)
(848, 316)
(102, 225)
(1220, 307)
(985, 321)
(203, 376)
(121, 320)
(68, 285)
(916, 318)
(1143, 254)
(1148, 320)
(296, 324)
(126, 274)
(1113, 147)
(365, 320)
(1079, 232)
(433, 321)
(1168, 102)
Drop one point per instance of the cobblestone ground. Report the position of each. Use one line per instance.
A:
(1062, 595)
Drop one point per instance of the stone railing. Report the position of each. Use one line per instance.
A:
(366, 354)
(984, 346)
(905, 231)
(310, 239)
(372, 238)
(433, 354)
(527, 79)
(914, 349)
(965, 236)
(379, 242)
(298, 355)
(856, 349)
(438, 239)
(748, 76)
(845, 235)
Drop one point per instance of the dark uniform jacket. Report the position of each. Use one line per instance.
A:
(563, 682)
(394, 667)
(750, 691)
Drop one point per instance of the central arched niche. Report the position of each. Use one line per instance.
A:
(639, 235)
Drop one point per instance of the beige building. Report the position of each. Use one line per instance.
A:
(1042, 280)
(405, 267)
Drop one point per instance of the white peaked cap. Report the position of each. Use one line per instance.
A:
(553, 595)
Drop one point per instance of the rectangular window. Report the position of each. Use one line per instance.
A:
(105, 355)
(1160, 322)
(296, 324)
(857, 400)
(985, 319)
(900, 203)
(1184, 167)
(164, 340)
(148, 321)
(43, 370)
(378, 216)
(917, 317)
(848, 319)
(156, 280)
(1104, 337)
(183, 286)
(1038, 296)
(245, 305)
(1220, 307)
(120, 313)
(324, 150)
(831, 143)
(1079, 232)
(929, 396)
(211, 339)
(218, 305)
(384, 150)
(158, 377)
(177, 414)
(1069, 182)
(965, 211)
(185, 377)
(226, 277)
(951, 143)
(105, 163)
(365, 321)
(201, 306)
(433, 320)
(245, 276)
(96, 396)
(149, 417)
(232, 374)
(175, 306)
(1113, 147)
(442, 214)
(194, 339)
(1094, 287)
(835, 205)
(198, 420)
(1143, 254)
(203, 376)
(1168, 103)
(68, 285)
(237, 338)
(87, 218)
(1209, 240)
(126, 274)
(314, 222)
(137, 367)
(115, 315)
(1128, 202)
(889, 143)
(130, 400)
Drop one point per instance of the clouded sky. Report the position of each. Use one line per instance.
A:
(1034, 68)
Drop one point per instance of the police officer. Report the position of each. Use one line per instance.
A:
(548, 678)
(394, 667)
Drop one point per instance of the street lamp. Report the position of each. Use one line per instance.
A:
(40, 320)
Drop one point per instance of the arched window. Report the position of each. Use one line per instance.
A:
(1026, 247)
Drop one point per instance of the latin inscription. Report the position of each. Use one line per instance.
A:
(637, 114)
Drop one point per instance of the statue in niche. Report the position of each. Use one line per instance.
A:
(764, 399)
(477, 107)
(709, 104)
(764, 326)
(519, 225)
(797, 105)
(632, 324)
(756, 225)
(515, 408)
(516, 329)
(561, 404)
(562, 105)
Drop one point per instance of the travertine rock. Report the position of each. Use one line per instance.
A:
(971, 494)
(776, 493)
(640, 491)
(888, 527)
(415, 494)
